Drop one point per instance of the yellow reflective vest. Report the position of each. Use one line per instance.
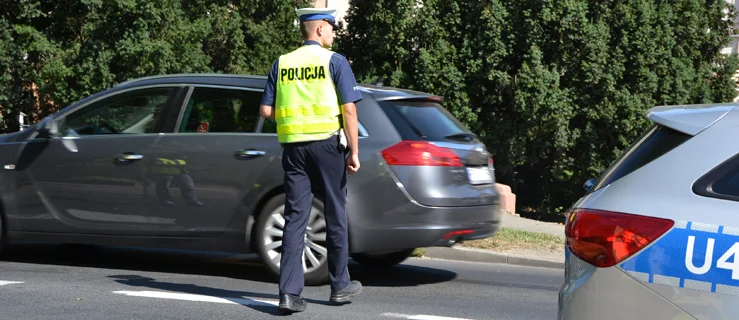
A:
(306, 104)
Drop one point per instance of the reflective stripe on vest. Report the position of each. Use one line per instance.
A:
(166, 166)
(306, 104)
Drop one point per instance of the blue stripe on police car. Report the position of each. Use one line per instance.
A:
(692, 255)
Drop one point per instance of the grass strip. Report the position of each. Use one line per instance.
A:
(513, 239)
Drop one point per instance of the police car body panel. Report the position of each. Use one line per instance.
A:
(689, 268)
(610, 294)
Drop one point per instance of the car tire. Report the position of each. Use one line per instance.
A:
(268, 236)
(382, 260)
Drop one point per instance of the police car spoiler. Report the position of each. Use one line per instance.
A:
(690, 119)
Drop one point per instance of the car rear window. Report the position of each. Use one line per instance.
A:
(657, 141)
(427, 120)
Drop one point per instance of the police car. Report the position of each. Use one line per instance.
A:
(657, 236)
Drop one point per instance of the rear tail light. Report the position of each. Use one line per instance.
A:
(491, 165)
(605, 239)
(420, 153)
(458, 233)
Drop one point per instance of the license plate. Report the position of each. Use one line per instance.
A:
(479, 175)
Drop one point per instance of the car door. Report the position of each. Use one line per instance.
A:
(90, 177)
(205, 170)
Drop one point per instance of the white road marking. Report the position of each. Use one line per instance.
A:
(197, 297)
(3, 283)
(419, 316)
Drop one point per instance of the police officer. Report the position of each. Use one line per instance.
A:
(310, 93)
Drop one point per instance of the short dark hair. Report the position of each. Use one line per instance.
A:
(305, 28)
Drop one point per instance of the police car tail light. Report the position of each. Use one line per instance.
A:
(420, 153)
(604, 238)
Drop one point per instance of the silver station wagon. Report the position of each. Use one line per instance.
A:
(657, 236)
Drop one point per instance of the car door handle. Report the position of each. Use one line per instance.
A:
(250, 153)
(129, 157)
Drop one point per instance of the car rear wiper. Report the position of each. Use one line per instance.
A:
(466, 136)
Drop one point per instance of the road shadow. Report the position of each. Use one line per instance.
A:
(135, 259)
(244, 298)
(403, 275)
(202, 263)
(252, 300)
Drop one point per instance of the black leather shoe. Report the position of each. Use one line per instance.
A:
(354, 288)
(291, 303)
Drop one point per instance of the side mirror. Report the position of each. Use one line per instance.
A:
(588, 185)
(47, 128)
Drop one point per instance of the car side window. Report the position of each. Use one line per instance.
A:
(269, 126)
(132, 112)
(220, 110)
(722, 182)
(727, 184)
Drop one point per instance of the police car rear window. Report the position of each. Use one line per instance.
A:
(656, 142)
(425, 120)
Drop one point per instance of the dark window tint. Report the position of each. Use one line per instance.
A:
(221, 110)
(656, 142)
(728, 184)
(722, 182)
(426, 120)
(269, 126)
(130, 112)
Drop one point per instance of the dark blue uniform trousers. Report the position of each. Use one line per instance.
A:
(317, 169)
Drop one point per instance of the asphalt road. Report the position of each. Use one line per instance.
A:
(44, 281)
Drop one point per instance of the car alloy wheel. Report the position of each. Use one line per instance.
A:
(267, 236)
(315, 253)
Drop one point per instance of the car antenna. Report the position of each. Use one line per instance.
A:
(379, 81)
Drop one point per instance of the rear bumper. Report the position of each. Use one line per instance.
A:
(432, 227)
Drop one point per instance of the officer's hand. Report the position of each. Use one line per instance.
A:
(352, 164)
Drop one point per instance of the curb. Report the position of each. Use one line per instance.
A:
(477, 255)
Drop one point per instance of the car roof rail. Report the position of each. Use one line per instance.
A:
(188, 75)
